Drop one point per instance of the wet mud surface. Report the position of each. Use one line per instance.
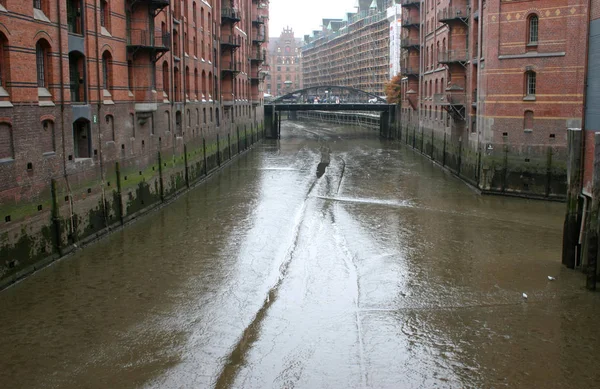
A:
(328, 259)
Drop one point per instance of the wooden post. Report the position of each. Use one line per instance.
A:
(548, 170)
(185, 161)
(505, 168)
(444, 151)
(119, 191)
(459, 157)
(594, 228)
(218, 151)
(204, 155)
(56, 219)
(574, 182)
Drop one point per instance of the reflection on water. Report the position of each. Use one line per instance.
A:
(381, 271)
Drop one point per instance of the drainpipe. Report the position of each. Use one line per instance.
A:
(62, 114)
(100, 158)
(479, 119)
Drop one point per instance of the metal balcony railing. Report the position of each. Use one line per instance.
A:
(409, 3)
(259, 38)
(231, 66)
(231, 40)
(230, 13)
(453, 13)
(142, 38)
(453, 56)
(406, 43)
(410, 71)
(410, 21)
(450, 98)
(258, 56)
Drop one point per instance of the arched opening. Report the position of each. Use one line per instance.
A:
(218, 117)
(210, 89)
(165, 79)
(107, 72)
(532, 29)
(47, 137)
(204, 94)
(82, 139)
(188, 84)
(42, 59)
(6, 142)
(168, 121)
(110, 127)
(176, 81)
(178, 124)
(530, 84)
(77, 75)
(4, 64)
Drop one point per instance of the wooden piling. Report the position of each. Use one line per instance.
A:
(594, 226)
(574, 178)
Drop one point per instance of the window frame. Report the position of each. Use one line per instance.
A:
(530, 84)
(533, 30)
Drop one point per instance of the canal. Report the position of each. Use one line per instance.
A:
(385, 272)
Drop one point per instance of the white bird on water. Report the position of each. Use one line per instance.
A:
(525, 296)
(550, 278)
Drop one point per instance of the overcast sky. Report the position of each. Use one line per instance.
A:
(306, 15)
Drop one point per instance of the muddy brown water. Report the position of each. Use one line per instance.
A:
(386, 272)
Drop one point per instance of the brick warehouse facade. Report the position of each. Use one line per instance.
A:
(490, 88)
(285, 61)
(110, 107)
(352, 52)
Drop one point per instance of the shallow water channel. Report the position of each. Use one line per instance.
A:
(384, 272)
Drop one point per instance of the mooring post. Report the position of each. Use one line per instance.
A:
(119, 190)
(549, 154)
(204, 155)
(594, 227)
(218, 151)
(574, 177)
(185, 161)
(56, 219)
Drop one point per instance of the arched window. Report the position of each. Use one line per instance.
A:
(105, 14)
(196, 90)
(110, 127)
(3, 61)
(107, 71)
(532, 30)
(188, 84)
(204, 94)
(175, 41)
(82, 139)
(210, 86)
(168, 121)
(194, 15)
(6, 142)
(530, 83)
(165, 74)
(204, 114)
(178, 124)
(528, 120)
(176, 81)
(42, 51)
(47, 141)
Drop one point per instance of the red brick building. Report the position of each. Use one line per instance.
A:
(285, 62)
(109, 106)
(490, 88)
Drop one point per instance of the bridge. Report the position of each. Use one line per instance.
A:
(329, 98)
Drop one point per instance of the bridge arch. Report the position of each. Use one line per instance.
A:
(329, 94)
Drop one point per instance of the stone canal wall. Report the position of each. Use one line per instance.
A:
(85, 203)
(524, 170)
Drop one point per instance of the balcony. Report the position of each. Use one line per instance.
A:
(410, 71)
(230, 14)
(259, 38)
(410, 43)
(145, 39)
(450, 99)
(260, 19)
(453, 14)
(258, 56)
(231, 67)
(231, 41)
(453, 57)
(410, 21)
(410, 3)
